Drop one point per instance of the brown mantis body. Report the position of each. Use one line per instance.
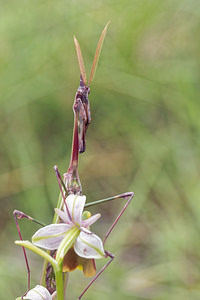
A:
(84, 90)
(82, 117)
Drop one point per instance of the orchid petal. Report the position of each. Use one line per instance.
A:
(75, 206)
(62, 215)
(50, 236)
(88, 222)
(89, 267)
(89, 245)
(72, 261)
(38, 293)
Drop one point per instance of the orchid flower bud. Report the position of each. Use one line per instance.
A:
(38, 293)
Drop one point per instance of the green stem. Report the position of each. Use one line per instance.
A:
(65, 245)
(59, 283)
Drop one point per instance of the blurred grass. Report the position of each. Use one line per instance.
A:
(144, 137)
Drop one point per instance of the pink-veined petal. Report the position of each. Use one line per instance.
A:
(75, 206)
(38, 293)
(88, 222)
(50, 236)
(89, 245)
(63, 215)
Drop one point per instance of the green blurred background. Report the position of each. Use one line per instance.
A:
(144, 137)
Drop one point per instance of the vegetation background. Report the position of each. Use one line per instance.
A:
(144, 137)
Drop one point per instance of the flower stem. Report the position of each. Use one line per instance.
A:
(59, 283)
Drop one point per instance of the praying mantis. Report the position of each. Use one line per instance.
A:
(71, 216)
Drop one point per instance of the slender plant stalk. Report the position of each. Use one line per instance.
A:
(59, 283)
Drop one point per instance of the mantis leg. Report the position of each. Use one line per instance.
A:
(60, 182)
(19, 215)
(107, 254)
(62, 189)
(128, 196)
(125, 196)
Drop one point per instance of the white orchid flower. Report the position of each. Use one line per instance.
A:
(38, 293)
(74, 232)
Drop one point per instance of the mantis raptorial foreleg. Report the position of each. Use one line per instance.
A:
(19, 215)
(128, 195)
(107, 254)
